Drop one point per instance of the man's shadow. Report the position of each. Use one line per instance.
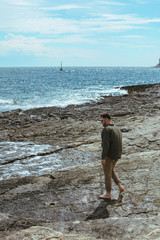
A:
(101, 211)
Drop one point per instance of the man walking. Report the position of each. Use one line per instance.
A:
(111, 152)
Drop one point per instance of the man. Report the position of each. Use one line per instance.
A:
(111, 152)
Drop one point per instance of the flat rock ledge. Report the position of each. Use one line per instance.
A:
(64, 204)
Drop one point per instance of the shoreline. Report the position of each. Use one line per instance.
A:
(129, 89)
(136, 101)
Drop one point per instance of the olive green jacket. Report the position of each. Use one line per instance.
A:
(111, 142)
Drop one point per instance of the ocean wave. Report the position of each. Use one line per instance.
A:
(68, 102)
(8, 101)
(69, 98)
(111, 91)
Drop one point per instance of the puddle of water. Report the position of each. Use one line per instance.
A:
(25, 161)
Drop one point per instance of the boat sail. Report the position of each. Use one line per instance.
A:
(61, 69)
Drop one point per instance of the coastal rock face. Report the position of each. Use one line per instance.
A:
(158, 65)
(51, 175)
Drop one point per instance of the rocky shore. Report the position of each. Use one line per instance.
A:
(51, 174)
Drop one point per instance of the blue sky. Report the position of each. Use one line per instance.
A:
(79, 33)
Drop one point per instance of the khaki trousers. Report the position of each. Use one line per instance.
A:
(109, 173)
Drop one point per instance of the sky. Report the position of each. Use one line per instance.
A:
(79, 33)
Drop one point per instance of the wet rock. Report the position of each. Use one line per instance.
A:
(19, 159)
(51, 181)
(139, 88)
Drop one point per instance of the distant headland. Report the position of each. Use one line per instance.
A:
(158, 65)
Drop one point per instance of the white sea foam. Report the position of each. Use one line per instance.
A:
(68, 99)
(66, 103)
(2, 101)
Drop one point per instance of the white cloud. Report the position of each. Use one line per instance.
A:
(53, 26)
(63, 7)
(20, 43)
(65, 29)
(141, 1)
(112, 3)
(41, 25)
(35, 20)
(73, 39)
(44, 47)
(25, 45)
(128, 45)
(47, 47)
(48, 25)
(128, 18)
(35, 46)
(120, 22)
(21, 3)
(132, 37)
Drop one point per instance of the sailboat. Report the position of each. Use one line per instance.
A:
(61, 69)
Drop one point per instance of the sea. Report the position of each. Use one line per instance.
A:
(33, 87)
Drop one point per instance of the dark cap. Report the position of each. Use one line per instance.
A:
(106, 115)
